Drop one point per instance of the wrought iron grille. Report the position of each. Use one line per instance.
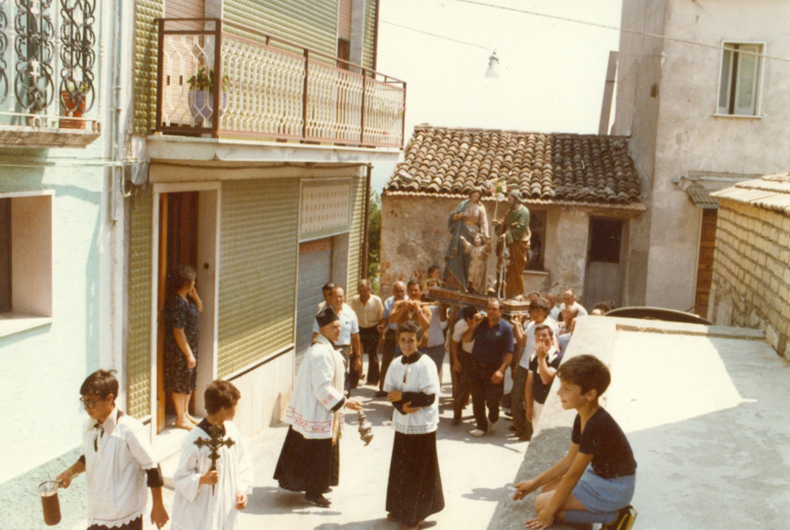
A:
(48, 67)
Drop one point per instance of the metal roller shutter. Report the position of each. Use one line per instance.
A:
(315, 269)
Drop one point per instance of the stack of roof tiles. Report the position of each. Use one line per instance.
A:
(547, 167)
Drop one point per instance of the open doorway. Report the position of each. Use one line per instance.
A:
(186, 232)
(603, 280)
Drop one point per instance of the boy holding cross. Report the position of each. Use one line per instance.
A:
(214, 474)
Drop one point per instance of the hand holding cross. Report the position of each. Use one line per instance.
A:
(214, 443)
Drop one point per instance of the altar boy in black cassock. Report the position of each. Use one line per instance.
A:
(415, 486)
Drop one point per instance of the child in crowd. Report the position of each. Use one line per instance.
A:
(595, 481)
(415, 486)
(117, 460)
(211, 498)
(542, 368)
(434, 279)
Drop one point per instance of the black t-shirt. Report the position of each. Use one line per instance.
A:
(604, 439)
(492, 343)
(540, 391)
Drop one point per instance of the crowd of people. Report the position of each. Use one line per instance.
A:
(406, 338)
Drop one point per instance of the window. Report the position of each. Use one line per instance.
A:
(740, 79)
(537, 226)
(25, 260)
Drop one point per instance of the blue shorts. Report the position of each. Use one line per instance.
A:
(599, 494)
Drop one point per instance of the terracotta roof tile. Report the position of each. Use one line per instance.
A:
(548, 167)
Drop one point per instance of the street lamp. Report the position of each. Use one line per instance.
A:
(493, 63)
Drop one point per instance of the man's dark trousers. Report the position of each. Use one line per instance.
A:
(485, 394)
(369, 337)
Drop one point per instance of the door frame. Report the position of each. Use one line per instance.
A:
(621, 257)
(209, 208)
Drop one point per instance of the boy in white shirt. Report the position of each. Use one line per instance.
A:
(117, 461)
(209, 499)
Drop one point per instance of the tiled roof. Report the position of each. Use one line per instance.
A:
(550, 167)
(701, 197)
(771, 192)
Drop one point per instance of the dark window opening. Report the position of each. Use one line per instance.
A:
(605, 239)
(537, 226)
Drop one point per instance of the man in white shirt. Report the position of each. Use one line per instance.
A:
(389, 330)
(461, 359)
(554, 309)
(569, 299)
(117, 461)
(370, 311)
(348, 344)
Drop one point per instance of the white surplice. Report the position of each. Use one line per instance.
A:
(317, 390)
(195, 507)
(117, 455)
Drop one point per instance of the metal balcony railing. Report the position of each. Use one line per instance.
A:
(48, 63)
(266, 90)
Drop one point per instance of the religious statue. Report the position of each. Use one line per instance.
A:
(476, 274)
(467, 220)
(512, 244)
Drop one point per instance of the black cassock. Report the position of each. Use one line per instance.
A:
(309, 465)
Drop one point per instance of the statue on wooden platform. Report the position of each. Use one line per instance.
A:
(467, 221)
(513, 234)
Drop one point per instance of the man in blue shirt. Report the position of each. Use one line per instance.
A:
(491, 355)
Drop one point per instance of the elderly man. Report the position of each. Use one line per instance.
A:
(514, 233)
(309, 460)
(348, 344)
(491, 355)
(388, 329)
(569, 299)
(370, 311)
(554, 309)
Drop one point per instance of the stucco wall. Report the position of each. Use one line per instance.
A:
(751, 272)
(43, 367)
(689, 137)
(414, 236)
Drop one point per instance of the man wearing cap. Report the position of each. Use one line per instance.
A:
(514, 232)
(309, 460)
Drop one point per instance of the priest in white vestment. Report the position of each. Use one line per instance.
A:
(309, 460)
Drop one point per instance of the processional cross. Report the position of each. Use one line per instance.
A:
(214, 443)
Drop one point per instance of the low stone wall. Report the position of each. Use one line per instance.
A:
(751, 272)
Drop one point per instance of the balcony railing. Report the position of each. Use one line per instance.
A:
(269, 89)
(48, 64)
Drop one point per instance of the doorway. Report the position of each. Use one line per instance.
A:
(186, 234)
(603, 280)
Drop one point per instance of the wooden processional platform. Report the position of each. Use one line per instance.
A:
(451, 297)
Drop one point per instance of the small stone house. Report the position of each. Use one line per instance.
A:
(751, 268)
(582, 192)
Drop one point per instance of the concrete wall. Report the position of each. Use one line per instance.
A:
(414, 236)
(751, 272)
(676, 132)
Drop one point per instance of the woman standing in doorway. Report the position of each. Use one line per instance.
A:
(181, 341)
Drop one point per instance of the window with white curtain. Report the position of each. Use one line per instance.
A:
(739, 85)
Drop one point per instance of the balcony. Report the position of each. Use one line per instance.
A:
(269, 89)
(48, 73)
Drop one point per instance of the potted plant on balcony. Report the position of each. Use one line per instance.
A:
(201, 97)
(74, 99)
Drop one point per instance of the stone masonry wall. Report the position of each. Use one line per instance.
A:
(751, 272)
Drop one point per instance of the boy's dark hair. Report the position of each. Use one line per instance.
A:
(586, 371)
(414, 282)
(221, 394)
(100, 383)
(468, 311)
(410, 326)
(540, 303)
(432, 268)
(541, 327)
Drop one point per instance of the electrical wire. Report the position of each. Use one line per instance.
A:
(623, 30)
(435, 35)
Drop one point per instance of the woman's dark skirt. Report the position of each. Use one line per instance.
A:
(415, 485)
(308, 465)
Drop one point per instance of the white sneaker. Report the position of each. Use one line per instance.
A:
(478, 433)
(492, 427)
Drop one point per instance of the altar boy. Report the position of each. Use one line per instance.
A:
(209, 499)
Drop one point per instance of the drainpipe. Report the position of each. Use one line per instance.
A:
(366, 237)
